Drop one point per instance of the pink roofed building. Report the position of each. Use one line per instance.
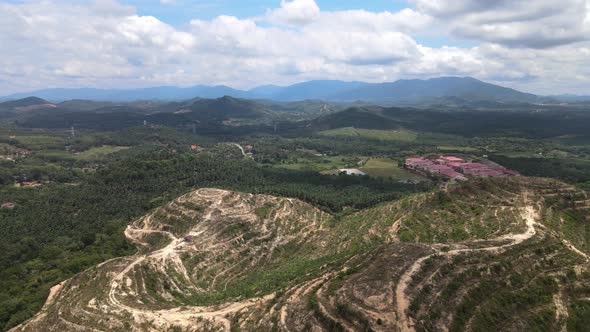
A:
(473, 165)
(456, 168)
(454, 164)
(8, 205)
(467, 168)
(485, 172)
(418, 162)
(436, 169)
(453, 174)
(452, 159)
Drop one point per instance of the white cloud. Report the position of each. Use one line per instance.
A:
(294, 12)
(111, 7)
(106, 44)
(534, 24)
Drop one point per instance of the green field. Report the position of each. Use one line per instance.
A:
(382, 135)
(383, 167)
(40, 142)
(95, 153)
(318, 164)
(456, 148)
(100, 152)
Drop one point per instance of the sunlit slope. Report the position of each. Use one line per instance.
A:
(505, 254)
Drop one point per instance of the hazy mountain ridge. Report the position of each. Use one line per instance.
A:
(401, 91)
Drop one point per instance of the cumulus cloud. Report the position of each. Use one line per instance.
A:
(534, 24)
(295, 12)
(106, 44)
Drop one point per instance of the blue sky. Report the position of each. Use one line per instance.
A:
(182, 11)
(539, 46)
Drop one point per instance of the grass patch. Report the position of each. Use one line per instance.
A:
(456, 148)
(318, 164)
(388, 168)
(382, 135)
(100, 152)
(40, 142)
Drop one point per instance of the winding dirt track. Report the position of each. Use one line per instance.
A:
(184, 316)
(403, 300)
(118, 299)
(239, 147)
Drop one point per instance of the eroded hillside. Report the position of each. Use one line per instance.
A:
(507, 254)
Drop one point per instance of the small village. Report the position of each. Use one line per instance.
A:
(456, 168)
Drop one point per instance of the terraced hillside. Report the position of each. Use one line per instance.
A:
(508, 254)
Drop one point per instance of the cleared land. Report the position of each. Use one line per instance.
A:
(99, 152)
(382, 135)
(473, 257)
(384, 167)
(318, 164)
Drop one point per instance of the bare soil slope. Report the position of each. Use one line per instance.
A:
(508, 254)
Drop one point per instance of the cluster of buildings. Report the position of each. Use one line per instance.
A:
(12, 153)
(457, 168)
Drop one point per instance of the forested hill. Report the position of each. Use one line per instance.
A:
(25, 103)
(62, 229)
(544, 124)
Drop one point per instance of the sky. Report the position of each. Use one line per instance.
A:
(538, 46)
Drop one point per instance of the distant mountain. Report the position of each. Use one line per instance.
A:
(357, 117)
(223, 108)
(417, 91)
(265, 91)
(26, 104)
(410, 92)
(119, 95)
(571, 98)
(204, 113)
(84, 105)
(320, 90)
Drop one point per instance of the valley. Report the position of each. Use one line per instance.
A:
(234, 214)
(294, 166)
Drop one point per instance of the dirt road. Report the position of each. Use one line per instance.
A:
(402, 298)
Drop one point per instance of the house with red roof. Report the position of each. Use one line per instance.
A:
(436, 169)
(8, 205)
(418, 162)
(453, 174)
(452, 159)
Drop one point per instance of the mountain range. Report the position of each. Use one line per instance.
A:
(430, 91)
